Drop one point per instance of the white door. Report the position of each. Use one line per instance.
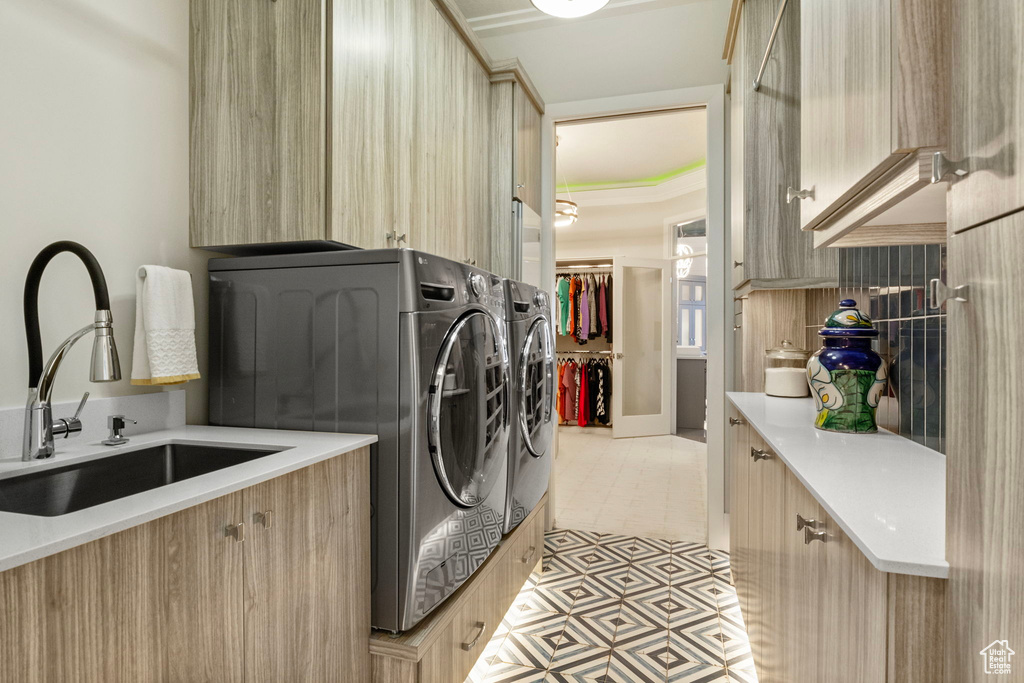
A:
(642, 341)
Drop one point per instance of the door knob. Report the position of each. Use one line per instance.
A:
(236, 531)
(265, 518)
(943, 168)
(792, 194)
(939, 293)
(810, 535)
(802, 523)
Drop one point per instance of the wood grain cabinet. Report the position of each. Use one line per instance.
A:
(988, 112)
(874, 99)
(283, 595)
(446, 644)
(815, 607)
(985, 458)
(515, 168)
(767, 140)
(362, 122)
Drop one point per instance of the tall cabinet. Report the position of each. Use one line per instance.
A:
(515, 164)
(985, 460)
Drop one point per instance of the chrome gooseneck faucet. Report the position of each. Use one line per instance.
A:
(40, 427)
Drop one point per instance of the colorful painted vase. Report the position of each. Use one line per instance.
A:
(847, 377)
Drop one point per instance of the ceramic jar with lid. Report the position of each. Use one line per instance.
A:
(785, 371)
(846, 376)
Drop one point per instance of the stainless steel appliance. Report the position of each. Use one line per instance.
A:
(394, 342)
(531, 350)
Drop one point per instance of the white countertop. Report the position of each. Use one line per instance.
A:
(25, 538)
(887, 493)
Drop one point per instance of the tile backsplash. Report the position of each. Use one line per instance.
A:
(890, 284)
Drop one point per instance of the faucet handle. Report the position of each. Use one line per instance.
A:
(78, 413)
(70, 426)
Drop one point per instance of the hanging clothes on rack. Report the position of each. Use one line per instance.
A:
(584, 391)
(563, 305)
(584, 306)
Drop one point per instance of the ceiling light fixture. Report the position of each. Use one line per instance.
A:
(569, 9)
(566, 213)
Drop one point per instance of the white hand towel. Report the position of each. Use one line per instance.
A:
(165, 327)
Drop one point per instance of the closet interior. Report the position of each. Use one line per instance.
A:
(583, 341)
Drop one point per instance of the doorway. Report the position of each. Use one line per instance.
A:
(630, 265)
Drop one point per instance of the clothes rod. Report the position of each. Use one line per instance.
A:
(771, 44)
(602, 353)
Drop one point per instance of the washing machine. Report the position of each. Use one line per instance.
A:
(531, 351)
(393, 342)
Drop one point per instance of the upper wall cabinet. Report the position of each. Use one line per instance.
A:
(987, 144)
(515, 163)
(774, 248)
(363, 122)
(875, 106)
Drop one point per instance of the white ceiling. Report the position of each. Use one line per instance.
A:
(625, 152)
(630, 46)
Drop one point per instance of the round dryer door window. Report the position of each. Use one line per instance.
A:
(536, 387)
(468, 410)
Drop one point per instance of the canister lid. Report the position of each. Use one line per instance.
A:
(848, 322)
(787, 351)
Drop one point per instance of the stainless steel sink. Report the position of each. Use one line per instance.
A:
(58, 491)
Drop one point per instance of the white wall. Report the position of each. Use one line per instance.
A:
(636, 230)
(653, 50)
(94, 149)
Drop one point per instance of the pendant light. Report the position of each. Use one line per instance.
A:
(566, 213)
(569, 9)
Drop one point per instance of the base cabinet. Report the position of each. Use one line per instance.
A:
(182, 599)
(444, 647)
(815, 607)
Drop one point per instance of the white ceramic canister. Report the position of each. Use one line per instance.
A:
(785, 372)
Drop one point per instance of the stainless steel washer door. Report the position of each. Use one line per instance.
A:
(468, 410)
(536, 388)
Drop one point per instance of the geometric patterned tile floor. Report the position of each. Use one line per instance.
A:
(621, 609)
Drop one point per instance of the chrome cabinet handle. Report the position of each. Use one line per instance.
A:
(760, 454)
(481, 626)
(811, 535)
(529, 556)
(734, 421)
(808, 523)
(943, 168)
(237, 531)
(792, 194)
(265, 518)
(939, 293)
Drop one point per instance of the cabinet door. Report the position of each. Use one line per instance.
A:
(739, 511)
(369, 97)
(157, 602)
(803, 573)
(258, 121)
(769, 473)
(753, 611)
(527, 162)
(853, 604)
(988, 110)
(307, 574)
(845, 101)
(985, 461)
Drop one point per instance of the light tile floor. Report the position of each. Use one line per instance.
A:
(609, 608)
(650, 486)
